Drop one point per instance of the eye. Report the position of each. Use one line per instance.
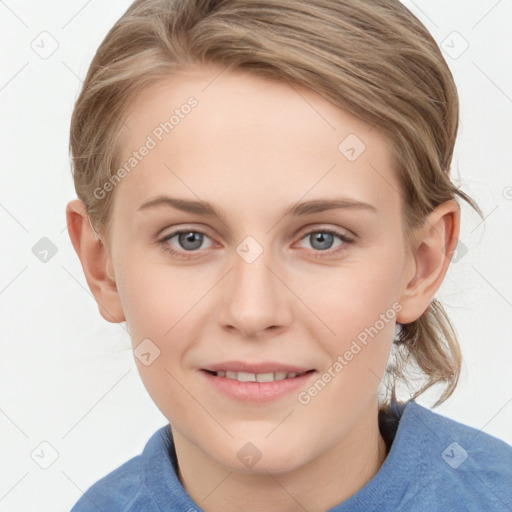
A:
(187, 241)
(322, 240)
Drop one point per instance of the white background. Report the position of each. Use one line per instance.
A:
(68, 377)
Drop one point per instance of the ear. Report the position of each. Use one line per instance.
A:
(96, 262)
(435, 244)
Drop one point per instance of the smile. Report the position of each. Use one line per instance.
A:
(267, 383)
(257, 377)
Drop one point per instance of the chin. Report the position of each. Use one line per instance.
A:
(260, 458)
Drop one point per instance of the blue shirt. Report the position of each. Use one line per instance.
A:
(434, 464)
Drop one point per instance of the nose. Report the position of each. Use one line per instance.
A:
(255, 300)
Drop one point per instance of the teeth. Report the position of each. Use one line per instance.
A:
(256, 377)
(246, 377)
(264, 377)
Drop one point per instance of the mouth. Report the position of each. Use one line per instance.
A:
(256, 382)
(242, 376)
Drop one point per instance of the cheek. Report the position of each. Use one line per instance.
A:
(156, 297)
(167, 307)
(161, 308)
(357, 306)
(352, 298)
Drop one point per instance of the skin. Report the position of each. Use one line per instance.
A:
(251, 148)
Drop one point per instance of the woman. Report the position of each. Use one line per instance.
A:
(264, 198)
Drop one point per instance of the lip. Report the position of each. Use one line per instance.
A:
(263, 367)
(256, 392)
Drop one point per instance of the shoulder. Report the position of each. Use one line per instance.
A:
(462, 462)
(114, 491)
(484, 448)
(123, 489)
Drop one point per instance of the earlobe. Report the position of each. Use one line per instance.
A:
(96, 263)
(436, 242)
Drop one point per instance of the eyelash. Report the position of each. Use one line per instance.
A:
(187, 255)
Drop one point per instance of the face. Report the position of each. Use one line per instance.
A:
(280, 252)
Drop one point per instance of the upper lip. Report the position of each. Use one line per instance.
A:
(264, 367)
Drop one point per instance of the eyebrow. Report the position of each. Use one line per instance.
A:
(305, 208)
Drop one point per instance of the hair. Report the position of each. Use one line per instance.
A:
(375, 60)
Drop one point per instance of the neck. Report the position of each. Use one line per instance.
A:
(338, 474)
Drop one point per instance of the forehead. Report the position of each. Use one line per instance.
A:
(232, 136)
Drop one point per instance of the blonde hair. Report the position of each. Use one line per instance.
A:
(374, 60)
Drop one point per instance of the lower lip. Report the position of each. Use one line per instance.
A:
(257, 391)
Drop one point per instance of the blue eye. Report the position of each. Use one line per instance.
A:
(190, 241)
(322, 240)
